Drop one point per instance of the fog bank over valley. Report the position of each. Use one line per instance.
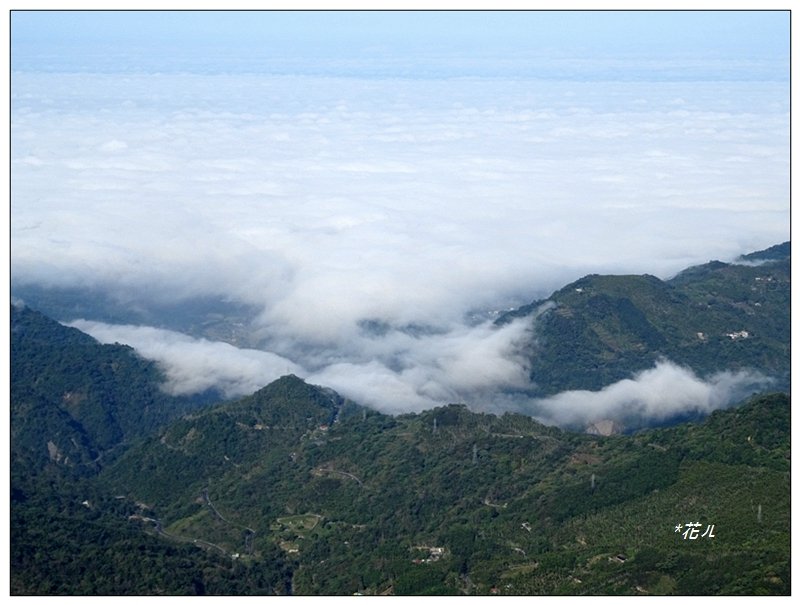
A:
(479, 366)
(376, 211)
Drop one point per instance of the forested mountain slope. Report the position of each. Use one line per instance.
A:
(453, 502)
(713, 317)
(73, 398)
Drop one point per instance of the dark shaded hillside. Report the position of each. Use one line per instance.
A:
(69, 538)
(73, 399)
(75, 405)
(714, 317)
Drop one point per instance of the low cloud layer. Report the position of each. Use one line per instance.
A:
(404, 372)
(479, 366)
(653, 396)
(329, 201)
(370, 212)
(194, 365)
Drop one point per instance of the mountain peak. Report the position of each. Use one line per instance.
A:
(290, 399)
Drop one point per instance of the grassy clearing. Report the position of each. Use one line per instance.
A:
(299, 523)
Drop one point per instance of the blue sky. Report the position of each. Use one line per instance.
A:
(225, 41)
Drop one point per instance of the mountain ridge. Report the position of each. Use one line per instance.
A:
(710, 318)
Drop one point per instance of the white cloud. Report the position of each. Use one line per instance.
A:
(113, 145)
(499, 182)
(329, 201)
(652, 396)
(393, 373)
(195, 365)
(401, 373)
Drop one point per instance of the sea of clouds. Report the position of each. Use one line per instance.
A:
(331, 202)
(477, 366)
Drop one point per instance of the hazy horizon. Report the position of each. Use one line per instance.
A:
(405, 169)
